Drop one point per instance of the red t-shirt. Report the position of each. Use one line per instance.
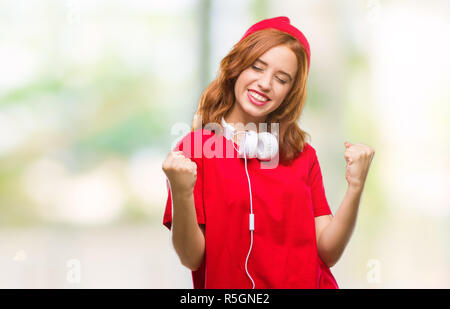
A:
(285, 201)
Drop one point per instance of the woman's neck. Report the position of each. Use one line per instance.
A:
(241, 122)
(244, 120)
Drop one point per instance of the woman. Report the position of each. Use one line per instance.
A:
(292, 238)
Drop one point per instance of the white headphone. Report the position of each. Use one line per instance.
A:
(263, 146)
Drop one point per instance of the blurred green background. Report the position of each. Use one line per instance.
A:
(93, 95)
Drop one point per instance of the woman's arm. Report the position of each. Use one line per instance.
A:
(187, 235)
(333, 233)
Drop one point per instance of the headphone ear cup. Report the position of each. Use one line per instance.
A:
(250, 144)
(267, 146)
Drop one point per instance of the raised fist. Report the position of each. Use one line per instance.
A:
(358, 157)
(181, 172)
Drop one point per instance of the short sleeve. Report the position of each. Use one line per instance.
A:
(192, 145)
(319, 199)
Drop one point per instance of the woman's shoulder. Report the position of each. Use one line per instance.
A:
(192, 142)
(308, 148)
(197, 135)
(307, 154)
(310, 153)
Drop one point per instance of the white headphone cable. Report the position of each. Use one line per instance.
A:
(252, 216)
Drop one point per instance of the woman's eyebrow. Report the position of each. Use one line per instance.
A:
(282, 72)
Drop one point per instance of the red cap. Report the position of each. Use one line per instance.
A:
(281, 23)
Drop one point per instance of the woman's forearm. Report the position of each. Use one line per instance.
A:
(187, 237)
(336, 234)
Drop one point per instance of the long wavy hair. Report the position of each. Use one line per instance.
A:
(218, 97)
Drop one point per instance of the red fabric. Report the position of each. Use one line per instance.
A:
(281, 23)
(285, 201)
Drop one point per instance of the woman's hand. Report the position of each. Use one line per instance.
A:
(358, 157)
(181, 173)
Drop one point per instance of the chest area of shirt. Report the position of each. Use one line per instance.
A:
(229, 180)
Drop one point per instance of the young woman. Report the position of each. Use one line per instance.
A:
(234, 223)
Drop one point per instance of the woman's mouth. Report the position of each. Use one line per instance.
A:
(256, 98)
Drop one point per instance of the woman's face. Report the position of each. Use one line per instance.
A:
(262, 87)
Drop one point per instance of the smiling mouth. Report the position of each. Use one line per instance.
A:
(257, 99)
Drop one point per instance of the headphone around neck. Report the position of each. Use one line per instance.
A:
(262, 145)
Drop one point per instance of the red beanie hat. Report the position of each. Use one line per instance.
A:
(281, 23)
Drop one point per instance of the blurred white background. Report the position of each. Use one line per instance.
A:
(90, 91)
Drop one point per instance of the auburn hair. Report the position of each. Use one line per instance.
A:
(218, 97)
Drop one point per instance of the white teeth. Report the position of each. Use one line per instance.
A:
(257, 96)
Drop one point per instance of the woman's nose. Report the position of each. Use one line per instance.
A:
(265, 81)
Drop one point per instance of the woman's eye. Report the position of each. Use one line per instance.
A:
(260, 69)
(282, 81)
(256, 68)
